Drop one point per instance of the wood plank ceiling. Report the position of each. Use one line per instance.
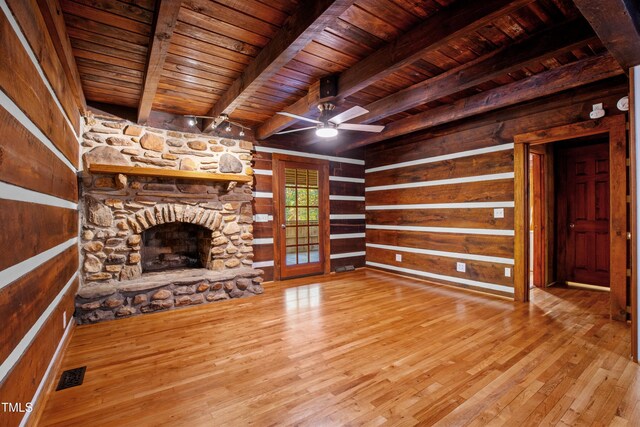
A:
(214, 41)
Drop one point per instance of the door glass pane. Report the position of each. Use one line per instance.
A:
(313, 215)
(313, 197)
(302, 196)
(303, 254)
(290, 196)
(290, 177)
(301, 178)
(291, 255)
(303, 235)
(291, 236)
(314, 253)
(314, 232)
(290, 216)
(314, 178)
(303, 216)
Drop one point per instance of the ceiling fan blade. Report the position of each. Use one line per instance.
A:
(364, 128)
(295, 116)
(351, 113)
(295, 130)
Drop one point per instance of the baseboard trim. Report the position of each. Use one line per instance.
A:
(48, 379)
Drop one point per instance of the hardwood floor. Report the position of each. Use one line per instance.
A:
(358, 348)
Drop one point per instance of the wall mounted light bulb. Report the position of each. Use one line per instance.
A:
(228, 128)
(241, 132)
(192, 122)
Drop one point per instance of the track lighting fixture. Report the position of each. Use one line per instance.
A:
(217, 122)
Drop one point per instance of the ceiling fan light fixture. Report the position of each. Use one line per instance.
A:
(326, 132)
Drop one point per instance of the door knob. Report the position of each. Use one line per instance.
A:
(283, 226)
(572, 225)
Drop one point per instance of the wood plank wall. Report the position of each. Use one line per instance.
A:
(430, 197)
(39, 128)
(346, 200)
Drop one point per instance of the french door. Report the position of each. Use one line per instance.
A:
(302, 223)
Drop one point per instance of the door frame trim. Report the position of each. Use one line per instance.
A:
(615, 128)
(277, 159)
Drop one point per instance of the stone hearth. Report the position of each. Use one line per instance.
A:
(153, 243)
(166, 290)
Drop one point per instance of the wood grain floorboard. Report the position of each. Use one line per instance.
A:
(361, 348)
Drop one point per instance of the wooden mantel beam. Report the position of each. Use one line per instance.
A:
(306, 23)
(617, 23)
(165, 21)
(460, 18)
(569, 76)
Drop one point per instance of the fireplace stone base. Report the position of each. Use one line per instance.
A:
(164, 291)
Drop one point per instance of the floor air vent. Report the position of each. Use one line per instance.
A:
(345, 268)
(71, 378)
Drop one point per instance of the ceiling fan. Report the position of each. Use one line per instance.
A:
(327, 126)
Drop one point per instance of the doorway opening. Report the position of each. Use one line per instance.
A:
(585, 227)
(569, 214)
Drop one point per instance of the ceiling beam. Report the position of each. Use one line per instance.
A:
(165, 21)
(569, 76)
(617, 23)
(532, 51)
(434, 32)
(306, 23)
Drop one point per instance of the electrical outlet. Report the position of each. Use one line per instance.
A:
(461, 267)
(399, 257)
(507, 272)
(64, 319)
(498, 213)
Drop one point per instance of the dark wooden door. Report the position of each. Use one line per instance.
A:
(302, 210)
(584, 213)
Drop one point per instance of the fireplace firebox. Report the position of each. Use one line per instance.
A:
(175, 245)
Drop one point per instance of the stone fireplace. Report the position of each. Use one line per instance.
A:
(152, 243)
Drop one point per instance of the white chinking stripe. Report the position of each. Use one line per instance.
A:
(468, 282)
(348, 255)
(346, 179)
(347, 236)
(434, 159)
(56, 354)
(10, 274)
(19, 194)
(347, 198)
(262, 195)
(269, 217)
(261, 149)
(263, 172)
(456, 230)
(463, 180)
(26, 122)
(260, 264)
(347, 216)
(263, 241)
(28, 338)
(36, 63)
(466, 205)
(456, 255)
